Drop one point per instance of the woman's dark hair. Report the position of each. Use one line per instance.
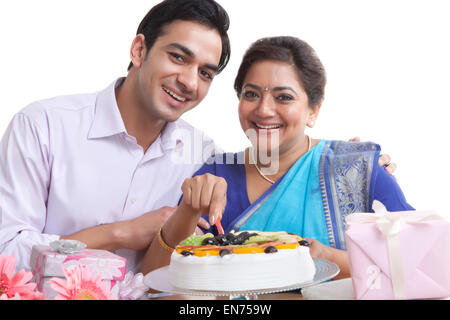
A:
(291, 50)
(206, 12)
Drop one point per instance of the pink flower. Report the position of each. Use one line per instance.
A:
(16, 287)
(81, 284)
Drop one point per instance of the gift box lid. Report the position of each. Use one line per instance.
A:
(49, 263)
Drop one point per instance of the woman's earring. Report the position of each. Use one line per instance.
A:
(311, 123)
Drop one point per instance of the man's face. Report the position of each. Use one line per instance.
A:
(177, 71)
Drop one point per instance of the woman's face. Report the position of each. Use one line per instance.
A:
(273, 107)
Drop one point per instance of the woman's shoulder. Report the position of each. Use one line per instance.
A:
(339, 147)
(227, 158)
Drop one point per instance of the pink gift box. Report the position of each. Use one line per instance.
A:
(399, 255)
(46, 263)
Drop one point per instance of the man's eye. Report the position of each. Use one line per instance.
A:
(176, 56)
(206, 75)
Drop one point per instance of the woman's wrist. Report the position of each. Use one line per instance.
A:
(179, 226)
(340, 257)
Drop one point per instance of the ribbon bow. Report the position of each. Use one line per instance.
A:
(67, 246)
(390, 225)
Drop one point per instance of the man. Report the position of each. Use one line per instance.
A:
(88, 167)
(102, 168)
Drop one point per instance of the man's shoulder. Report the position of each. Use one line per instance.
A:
(198, 145)
(183, 124)
(71, 102)
(195, 135)
(59, 108)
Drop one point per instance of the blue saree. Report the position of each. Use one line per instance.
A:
(334, 179)
(293, 204)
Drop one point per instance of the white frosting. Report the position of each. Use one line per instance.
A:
(242, 272)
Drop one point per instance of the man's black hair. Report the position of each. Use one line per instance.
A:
(206, 12)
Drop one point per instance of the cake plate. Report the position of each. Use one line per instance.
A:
(158, 280)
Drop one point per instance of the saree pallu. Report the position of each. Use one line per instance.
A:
(342, 172)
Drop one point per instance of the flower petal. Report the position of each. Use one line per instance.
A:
(21, 278)
(7, 265)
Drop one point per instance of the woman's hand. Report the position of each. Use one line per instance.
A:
(319, 250)
(205, 194)
(340, 257)
(202, 223)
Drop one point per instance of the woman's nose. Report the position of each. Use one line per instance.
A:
(266, 107)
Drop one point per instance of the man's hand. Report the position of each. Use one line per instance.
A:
(384, 160)
(137, 234)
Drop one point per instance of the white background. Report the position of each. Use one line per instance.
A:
(388, 64)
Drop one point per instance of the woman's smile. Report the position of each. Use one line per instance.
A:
(274, 103)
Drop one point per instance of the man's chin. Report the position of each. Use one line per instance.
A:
(170, 113)
(171, 116)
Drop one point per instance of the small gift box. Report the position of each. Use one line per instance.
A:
(48, 262)
(398, 255)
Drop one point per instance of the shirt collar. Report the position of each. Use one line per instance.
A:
(172, 135)
(107, 119)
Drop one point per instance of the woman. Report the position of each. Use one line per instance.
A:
(287, 181)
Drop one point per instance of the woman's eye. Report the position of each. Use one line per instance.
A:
(250, 94)
(284, 98)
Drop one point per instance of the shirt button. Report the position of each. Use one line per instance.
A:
(133, 201)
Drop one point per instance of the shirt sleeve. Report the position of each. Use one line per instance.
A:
(24, 181)
(388, 191)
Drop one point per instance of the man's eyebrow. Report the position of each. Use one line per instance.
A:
(185, 50)
(191, 54)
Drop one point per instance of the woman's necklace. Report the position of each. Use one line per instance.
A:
(270, 180)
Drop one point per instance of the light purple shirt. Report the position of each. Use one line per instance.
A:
(67, 164)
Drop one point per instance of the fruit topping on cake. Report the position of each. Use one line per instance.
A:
(245, 242)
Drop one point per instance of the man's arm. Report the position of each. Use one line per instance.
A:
(24, 183)
(24, 180)
(135, 234)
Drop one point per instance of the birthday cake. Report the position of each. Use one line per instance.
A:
(242, 261)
